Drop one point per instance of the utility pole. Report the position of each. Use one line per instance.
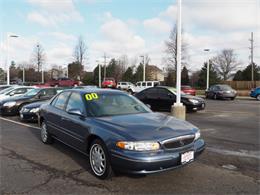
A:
(143, 68)
(252, 55)
(207, 84)
(105, 64)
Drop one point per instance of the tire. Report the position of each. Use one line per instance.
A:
(258, 97)
(130, 91)
(99, 160)
(45, 136)
(232, 98)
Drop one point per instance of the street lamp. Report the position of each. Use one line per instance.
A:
(207, 84)
(99, 74)
(7, 55)
(143, 68)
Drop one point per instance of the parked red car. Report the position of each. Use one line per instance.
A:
(188, 90)
(63, 82)
(109, 83)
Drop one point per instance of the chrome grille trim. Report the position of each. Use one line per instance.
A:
(178, 138)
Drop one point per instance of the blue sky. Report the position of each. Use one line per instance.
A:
(126, 27)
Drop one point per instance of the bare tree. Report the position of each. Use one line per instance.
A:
(38, 57)
(171, 49)
(225, 63)
(80, 51)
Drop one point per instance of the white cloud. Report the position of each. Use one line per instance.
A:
(118, 38)
(53, 12)
(157, 25)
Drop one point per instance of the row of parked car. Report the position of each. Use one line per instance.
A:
(26, 100)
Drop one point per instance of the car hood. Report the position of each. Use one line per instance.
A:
(192, 97)
(146, 126)
(35, 105)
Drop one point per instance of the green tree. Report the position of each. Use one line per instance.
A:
(185, 76)
(2, 75)
(170, 79)
(88, 78)
(75, 70)
(247, 73)
(128, 75)
(213, 75)
(238, 76)
(138, 75)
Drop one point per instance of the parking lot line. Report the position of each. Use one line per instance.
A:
(19, 123)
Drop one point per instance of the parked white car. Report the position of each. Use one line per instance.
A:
(141, 85)
(124, 85)
(14, 91)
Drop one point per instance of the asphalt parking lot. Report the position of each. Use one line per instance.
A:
(230, 164)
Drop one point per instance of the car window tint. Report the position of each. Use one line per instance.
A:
(61, 100)
(51, 92)
(151, 93)
(138, 84)
(144, 84)
(163, 93)
(75, 102)
(149, 83)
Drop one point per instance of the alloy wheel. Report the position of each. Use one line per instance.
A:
(97, 159)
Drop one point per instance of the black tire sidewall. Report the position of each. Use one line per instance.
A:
(49, 138)
(108, 172)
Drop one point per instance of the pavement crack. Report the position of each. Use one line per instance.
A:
(54, 173)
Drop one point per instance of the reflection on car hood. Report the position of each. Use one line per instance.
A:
(192, 97)
(146, 126)
(35, 105)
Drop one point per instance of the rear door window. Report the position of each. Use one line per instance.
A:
(143, 84)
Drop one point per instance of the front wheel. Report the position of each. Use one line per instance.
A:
(258, 97)
(45, 136)
(99, 160)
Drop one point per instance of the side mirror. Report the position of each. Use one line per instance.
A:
(75, 112)
(170, 95)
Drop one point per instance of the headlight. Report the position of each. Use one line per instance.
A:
(193, 101)
(9, 104)
(197, 135)
(138, 146)
(34, 110)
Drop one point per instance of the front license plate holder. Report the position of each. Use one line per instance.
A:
(187, 157)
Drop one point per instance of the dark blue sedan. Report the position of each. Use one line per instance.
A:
(118, 132)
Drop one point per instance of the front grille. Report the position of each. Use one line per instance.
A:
(178, 141)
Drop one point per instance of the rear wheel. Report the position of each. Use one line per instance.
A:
(45, 136)
(99, 160)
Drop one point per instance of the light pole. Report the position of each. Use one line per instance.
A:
(143, 68)
(207, 84)
(99, 74)
(178, 110)
(7, 56)
(23, 75)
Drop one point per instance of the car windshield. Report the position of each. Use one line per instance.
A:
(4, 91)
(225, 87)
(113, 104)
(32, 92)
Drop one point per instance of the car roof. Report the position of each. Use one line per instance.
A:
(95, 90)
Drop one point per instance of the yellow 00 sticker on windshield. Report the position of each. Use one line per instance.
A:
(91, 96)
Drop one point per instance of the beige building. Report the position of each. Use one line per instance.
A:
(154, 73)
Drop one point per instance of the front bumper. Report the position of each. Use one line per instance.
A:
(9, 111)
(153, 162)
(28, 116)
(195, 107)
